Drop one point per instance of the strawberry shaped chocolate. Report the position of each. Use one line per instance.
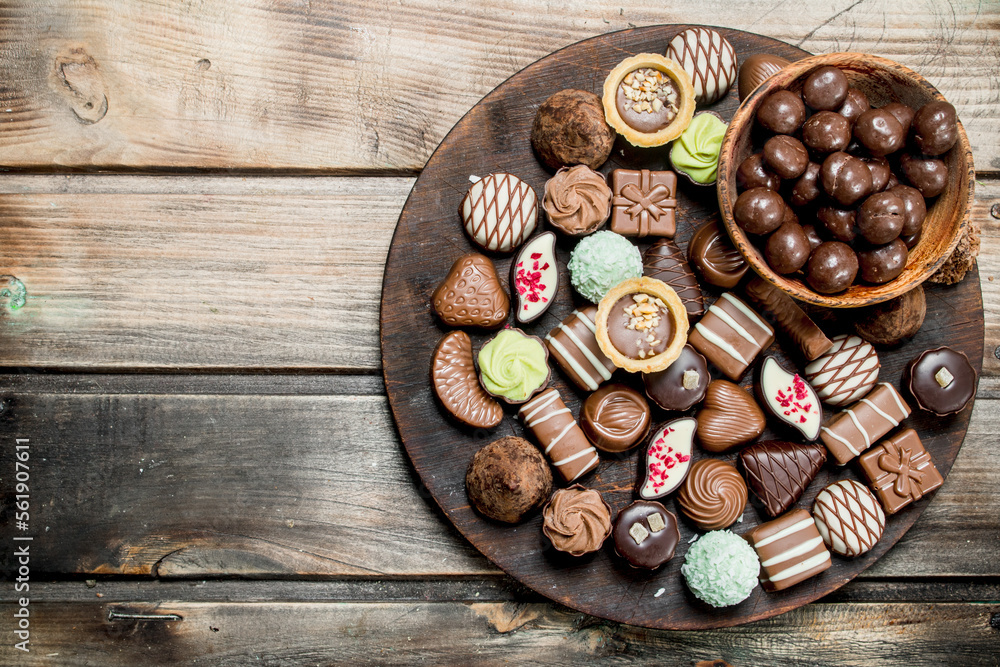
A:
(789, 398)
(668, 458)
(534, 278)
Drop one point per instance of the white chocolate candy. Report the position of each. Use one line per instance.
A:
(845, 372)
(790, 398)
(668, 458)
(499, 212)
(848, 517)
(534, 278)
(708, 58)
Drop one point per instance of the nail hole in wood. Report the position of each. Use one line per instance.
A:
(995, 211)
(995, 620)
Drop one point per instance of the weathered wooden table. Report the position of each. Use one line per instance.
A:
(199, 198)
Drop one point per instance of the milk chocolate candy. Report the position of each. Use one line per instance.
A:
(790, 317)
(453, 377)
(879, 131)
(576, 520)
(714, 495)
(757, 69)
(900, 470)
(471, 294)
(708, 58)
(664, 261)
(615, 418)
(929, 176)
(561, 439)
(714, 256)
(790, 549)
(731, 335)
(935, 128)
(729, 417)
(573, 344)
(855, 104)
(832, 267)
(852, 431)
(845, 178)
(499, 212)
(848, 518)
(845, 372)
(782, 112)
(779, 472)
(941, 381)
(788, 398)
(643, 202)
(682, 385)
(752, 173)
(787, 249)
(668, 459)
(759, 210)
(534, 278)
(825, 89)
(786, 156)
(645, 534)
(577, 200)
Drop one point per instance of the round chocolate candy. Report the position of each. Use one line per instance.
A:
(634, 343)
(570, 129)
(929, 176)
(914, 209)
(782, 112)
(838, 222)
(615, 418)
(752, 173)
(942, 381)
(785, 156)
(826, 132)
(911, 240)
(902, 112)
(832, 267)
(935, 128)
(845, 178)
(880, 217)
(879, 132)
(883, 263)
(892, 321)
(682, 385)
(645, 534)
(881, 170)
(712, 253)
(855, 104)
(787, 249)
(825, 89)
(815, 240)
(759, 210)
(757, 69)
(806, 188)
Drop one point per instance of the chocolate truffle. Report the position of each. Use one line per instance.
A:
(615, 418)
(845, 178)
(570, 129)
(838, 222)
(807, 188)
(576, 520)
(759, 210)
(832, 267)
(826, 132)
(782, 112)
(507, 479)
(941, 381)
(713, 255)
(883, 263)
(785, 156)
(825, 89)
(879, 132)
(752, 173)
(646, 534)
(881, 170)
(757, 69)
(892, 321)
(935, 128)
(577, 200)
(929, 176)
(855, 104)
(682, 385)
(903, 113)
(787, 249)
(880, 217)
(914, 209)
(714, 494)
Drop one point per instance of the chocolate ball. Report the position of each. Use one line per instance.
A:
(893, 181)
(759, 211)
(892, 321)
(880, 264)
(855, 104)
(825, 89)
(879, 132)
(914, 209)
(838, 222)
(832, 267)
(787, 249)
(845, 178)
(911, 241)
(815, 240)
(928, 175)
(753, 174)
(826, 132)
(935, 128)
(570, 129)
(880, 218)
(806, 190)
(782, 112)
(785, 156)
(880, 169)
(508, 479)
(902, 112)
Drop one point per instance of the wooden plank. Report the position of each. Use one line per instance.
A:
(98, 255)
(204, 485)
(291, 633)
(355, 86)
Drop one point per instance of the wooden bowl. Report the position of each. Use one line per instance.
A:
(883, 81)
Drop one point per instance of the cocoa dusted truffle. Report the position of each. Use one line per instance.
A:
(570, 129)
(893, 321)
(508, 479)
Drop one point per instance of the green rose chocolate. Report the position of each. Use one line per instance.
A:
(513, 365)
(696, 151)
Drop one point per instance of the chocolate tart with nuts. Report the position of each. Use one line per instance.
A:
(642, 325)
(648, 99)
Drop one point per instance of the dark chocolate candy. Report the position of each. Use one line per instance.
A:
(753, 173)
(665, 261)
(880, 264)
(759, 210)
(881, 170)
(790, 317)
(855, 104)
(615, 418)
(903, 113)
(645, 534)
(667, 460)
(845, 178)
(643, 202)
(826, 132)
(787, 397)
(929, 176)
(807, 188)
(832, 267)
(682, 385)
(790, 550)
(712, 253)
(471, 294)
(941, 381)
(900, 470)
(880, 218)
(879, 132)
(787, 249)
(453, 377)
(714, 494)
(812, 235)
(825, 89)
(914, 209)
(729, 418)
(757, 69)
(935, 128)
(779, 472)
(838, 222)
(731, 335)
(786, 156)
(534, 277)
(781, 112)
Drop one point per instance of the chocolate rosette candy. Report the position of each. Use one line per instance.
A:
(577, 200)
(576, 520)
(714, 494)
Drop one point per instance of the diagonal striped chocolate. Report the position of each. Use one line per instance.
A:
(665, 261)
(848, 517)
(573, 344)
(561, 438)
(499, 212)
(845, 372)
(852, 431)
(790, 549)
(731, 335)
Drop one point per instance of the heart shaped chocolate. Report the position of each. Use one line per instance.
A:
(778, 472)
(729, 417)
(471, 294)
(453, 376)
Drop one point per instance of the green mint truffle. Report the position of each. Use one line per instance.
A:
(721, 568)
(601, 261)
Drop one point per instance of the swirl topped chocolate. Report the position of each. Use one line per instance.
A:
(576, 520)
(577, 200)
(615, 418)
(714, 495)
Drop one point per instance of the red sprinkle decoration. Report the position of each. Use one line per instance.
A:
(528, 282)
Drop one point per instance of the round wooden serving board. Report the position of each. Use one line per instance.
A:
(494, 137)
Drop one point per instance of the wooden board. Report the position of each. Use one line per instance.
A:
(494, 137)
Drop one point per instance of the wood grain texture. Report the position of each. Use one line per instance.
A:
(374, 86)
(495, 633)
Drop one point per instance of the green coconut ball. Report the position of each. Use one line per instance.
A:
(721, 568)
(601, 261)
